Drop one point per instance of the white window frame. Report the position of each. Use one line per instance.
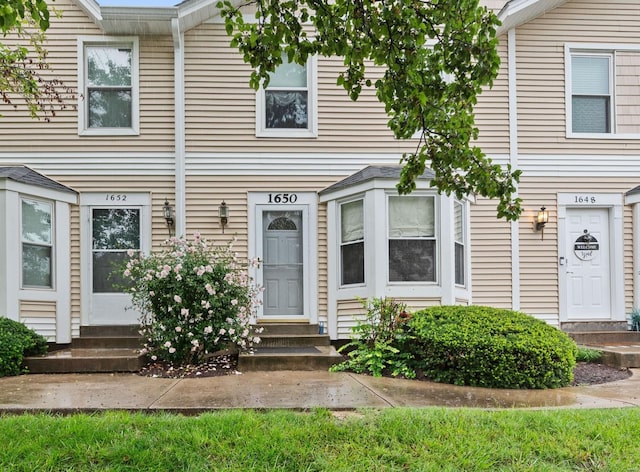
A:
(83, 112)
(341, 243)
(51, 245)
(599, 50)
(462, 242)
(435, 238)
(312, 120)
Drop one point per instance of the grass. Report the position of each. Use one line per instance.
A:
(586, 354)
(431, 439)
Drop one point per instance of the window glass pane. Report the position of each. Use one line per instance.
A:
(411, 217)
(352, 263)
(412, 260)
(106, 271)
(590, 115)
(36, 265)
(36, 222)
(352, 220)
(459, 264)
(110, 109)
(286, 109)
(108, 66)
(289, 75)
(116, 228)
(590, 75)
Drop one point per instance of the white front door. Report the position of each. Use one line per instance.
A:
(588, 276)
(110, 229)
(283, 263)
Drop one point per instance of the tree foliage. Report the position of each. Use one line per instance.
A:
(24, 59)
(437, 56)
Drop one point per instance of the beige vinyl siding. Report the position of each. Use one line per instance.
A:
(39, 316)
(539, 258)
(490, 256)
(349, 312)
(492, 110)
(541, 72)
(220, 106)
(628, 92)
(20, 133)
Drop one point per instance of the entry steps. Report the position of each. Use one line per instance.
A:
(289, 346)
(98, 349)
(619, 346)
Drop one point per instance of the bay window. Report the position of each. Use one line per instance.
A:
(352, 243)
(412, 241)
(37, 243)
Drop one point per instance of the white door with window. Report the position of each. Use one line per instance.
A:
(111, 231)
(588, 266)
(281, 225)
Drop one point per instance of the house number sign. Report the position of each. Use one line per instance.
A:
(585, 247)
(282, 198)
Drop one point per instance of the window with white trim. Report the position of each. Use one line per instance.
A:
(109, 78)
(352, 242)
(37, 243)
(412, 239)
(591, 93)
(287, 107)
(458, 238)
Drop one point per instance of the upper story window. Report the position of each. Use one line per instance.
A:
(287, 108)
(352, 243)
(109, 80)
(591, 93)
(602, 90)
(412, 239)
(37, 243)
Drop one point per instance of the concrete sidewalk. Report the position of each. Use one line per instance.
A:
(69, 393)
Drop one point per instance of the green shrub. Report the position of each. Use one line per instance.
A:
(17, 341)
(379, 341)
(489, 347)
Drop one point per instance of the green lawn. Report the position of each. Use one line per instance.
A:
(431, 439)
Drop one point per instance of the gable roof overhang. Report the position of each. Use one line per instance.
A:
(151, 21)
(23, 179)
(518, 12)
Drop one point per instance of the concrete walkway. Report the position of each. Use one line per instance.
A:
(69, 393)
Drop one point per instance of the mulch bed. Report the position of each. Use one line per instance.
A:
(227, 363)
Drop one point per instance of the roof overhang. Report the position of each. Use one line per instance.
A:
(518, 12)
(151, 21)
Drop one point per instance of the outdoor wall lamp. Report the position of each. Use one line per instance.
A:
(223, 213)
(168, 213)
(542, 218)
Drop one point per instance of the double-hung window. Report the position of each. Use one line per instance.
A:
(109, 78)
(352, 242)
(37, 243)
(591, 93)
(287, 106)
(458, 241)
(412, 239)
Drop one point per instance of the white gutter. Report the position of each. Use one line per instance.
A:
(513, 160)
(179, 128)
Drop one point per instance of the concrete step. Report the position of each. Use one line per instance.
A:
(107, 342)
(110, 331)
(619, 355)
(76, 360)
(593, 326)
(288, 358)
(284, 328)
(293, 340)
(606, 337)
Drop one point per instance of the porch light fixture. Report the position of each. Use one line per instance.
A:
(168, 213)
(223, 213)
(542, 218)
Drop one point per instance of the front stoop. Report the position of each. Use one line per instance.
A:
(98, 349)
(289, 346)
(620, 348)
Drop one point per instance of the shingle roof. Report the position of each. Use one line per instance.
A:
(634, 191)
(28, 176)
(373, 172)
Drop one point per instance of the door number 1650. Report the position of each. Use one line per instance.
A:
(282, 198)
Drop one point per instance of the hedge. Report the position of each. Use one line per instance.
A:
(17, 341)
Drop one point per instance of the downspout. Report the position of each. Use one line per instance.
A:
(513, 160)
(179, 128)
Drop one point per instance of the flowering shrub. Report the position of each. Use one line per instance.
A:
(195, 298)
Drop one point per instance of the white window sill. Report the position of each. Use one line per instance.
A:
(287, 134)
(602, 136)
(109, 132)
